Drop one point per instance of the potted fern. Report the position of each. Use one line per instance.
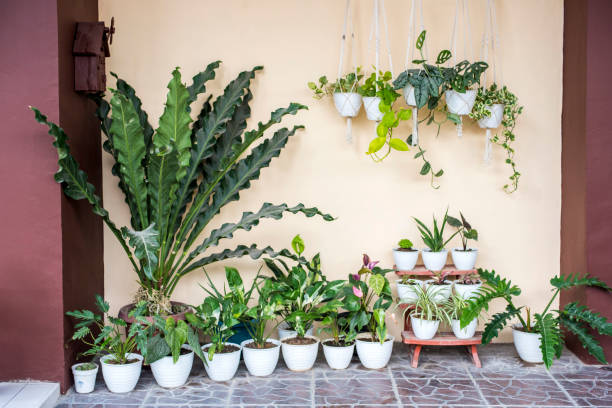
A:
(345, 92)
(405, 256)
(178, 177)
(538, 336)
(435, 255)
(464, 258)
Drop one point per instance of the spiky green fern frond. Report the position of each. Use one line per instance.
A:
(588, 342)
(548, 327)
(570, 281)
(497, 323)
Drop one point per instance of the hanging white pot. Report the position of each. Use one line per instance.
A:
(405, 260)
(440, 293)
(84, 380)
(494, 119)
(284, 331)
(347, 103)
(409, 95)
(464, 260)
(424, 329)
(169, 374)
(300, 357)
(434, 261)
(372, 354)
(465, 333)
(408, 292)
(338, 357)
(460, 103)
(371, 105)
(121, 378)
(527, 345)
(223, 366)
(260, 362)
(467, 291)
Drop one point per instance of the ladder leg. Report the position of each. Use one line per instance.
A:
(415, 356)
(474, 353)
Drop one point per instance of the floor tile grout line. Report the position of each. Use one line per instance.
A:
(482, 397)
(394, 387)
(569, 397)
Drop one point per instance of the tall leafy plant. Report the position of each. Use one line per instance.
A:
(178, 177)
(434, 238)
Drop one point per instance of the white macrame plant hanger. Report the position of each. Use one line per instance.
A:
(348, 17)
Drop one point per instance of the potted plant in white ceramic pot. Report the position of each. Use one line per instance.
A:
(170, 348)
(405, 255)
(370, 299)
(538, 337)
(406, 288)
(435, 255)
(467, 286)
(464, 258)
(345, 92)
(461, 80)
(457, 305)
(121, 365)
(375, 90)
(426, 314)
(84, 377)
(338, 350)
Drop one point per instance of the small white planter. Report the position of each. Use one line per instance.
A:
(370, 103)
(408, 292)
(374, 355)
(464, 260)
(347, 103)
(460, 103)
(260, 362)
(338, 358)
(300, 357)
(121, 378)
(465, 333)
(169, 374)
(434, 261)
(527, 345)
(424, 329)
(223, 366)
(283, 331)
(494, 119)
(405, 260)
(409, 95)
(84, 381)
(467, 291)
(440, 293)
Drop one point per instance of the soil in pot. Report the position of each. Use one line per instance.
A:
(299, 341)
(267, 345)
(115, 362)
(178, 309)
(369, 340)
(228, 348)
(341, 343)
(406, 249)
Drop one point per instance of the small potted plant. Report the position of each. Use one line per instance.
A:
(406, 288)
(370, 298)
(339, 349)
(426, 315)
(376, 90)
(170, 348)
(120, 364)
(464, 258)
(345, 92)
(467, 286)
(538, 337)
(435, 255)
(457, 305)
(84, 377)
(405, 256)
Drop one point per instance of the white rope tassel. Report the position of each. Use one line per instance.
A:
(487, 152)
(415, 126)
(460, 127)
(349, 130)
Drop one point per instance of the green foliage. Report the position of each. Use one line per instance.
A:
(550, 333)
(426, 308)
(427, 168)
(464, 228)
(166, 337)
(486, 98)
(405, 244)
(434, 239)
(269, 304)
(574, 280)
(177, 178)
(380, 87)
(497, 323)
(348, 83)
(86, 367)
(384, 132)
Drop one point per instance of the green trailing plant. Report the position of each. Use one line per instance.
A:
(427, 167)
(349, 83)
(486, 98)
(384, 132)
(426, 308)
(405, 245)
(166, 337)
(434, 239)
(575, 318)
(379, 86)
(465, 230)
(178, 177)
(103, 333)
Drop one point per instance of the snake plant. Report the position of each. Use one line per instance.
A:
(178, 177)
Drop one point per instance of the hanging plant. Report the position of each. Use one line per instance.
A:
(377, 89)
(344, 90)
(384, 132)
(486, 101)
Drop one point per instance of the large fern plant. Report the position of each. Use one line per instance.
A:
(178, 177)
(577, 319)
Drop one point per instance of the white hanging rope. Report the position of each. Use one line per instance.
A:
(411, 29)
(388, 40)
(487, 152)
(347, 19)
(416, 7)
(461, 7)
(343, 37)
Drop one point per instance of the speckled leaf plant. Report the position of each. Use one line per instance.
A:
(178, 177)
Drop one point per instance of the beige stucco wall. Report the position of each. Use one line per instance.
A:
(297, 41)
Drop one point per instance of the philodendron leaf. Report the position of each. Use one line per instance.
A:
(376, 145)
(443, 56)
(157, 348)
(297, 244)
(145, 244)
(398, 144)
(421, 40)
(377, 283)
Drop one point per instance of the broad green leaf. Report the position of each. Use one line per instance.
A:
(398, 144)
(381, 130)
(233, 279)
(146, 245)
(162, 187)
(425, 169)
(404, 114)
(443, 56)
(388, 119)
(421, 40)
(377, 283)
(548, 328)
(376, 144)
(297, 244)
(157, 348)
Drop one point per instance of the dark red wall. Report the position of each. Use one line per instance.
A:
(586, 226)
(50, 248)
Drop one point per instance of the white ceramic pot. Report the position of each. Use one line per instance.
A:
(338, 358)
(409, 95)
(283, 331)
(223, 366)
(370, 103)
(121, 378)
(465, 333)
(460, 103)
(440, 293)
(405, 260)
(424, 329)
(527, 345)
(464, 260)
(84, 381)
(374, 355)
(300, 357)
(434, 261)
(260, 362)
(407, 292)
(347, 103)
(467, 291)
(494, 119)
(169, 374)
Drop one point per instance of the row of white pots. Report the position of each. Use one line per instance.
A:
(434, 261)
(427, 329)
(348, 104)
(407, 292)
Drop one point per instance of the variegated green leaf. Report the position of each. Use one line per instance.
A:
(146, 245)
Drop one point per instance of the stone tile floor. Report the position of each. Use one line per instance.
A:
(445, 377)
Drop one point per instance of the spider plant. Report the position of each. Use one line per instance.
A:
(426, 308)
